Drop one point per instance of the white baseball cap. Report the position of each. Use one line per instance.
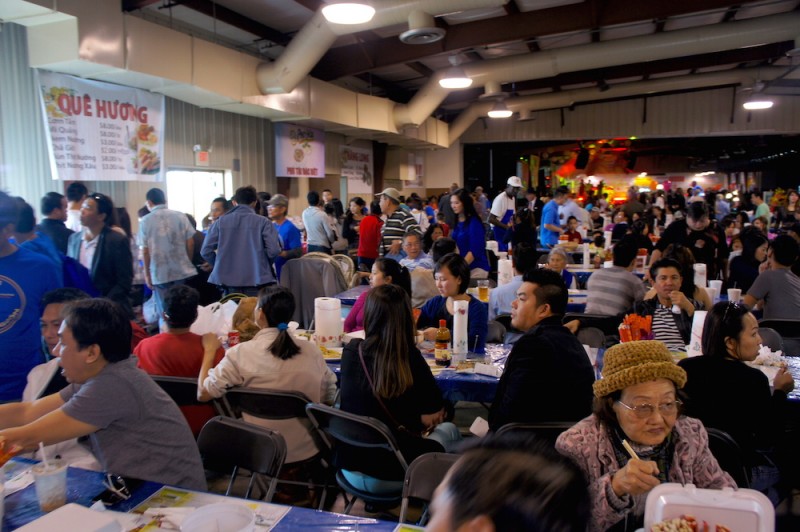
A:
(514, 181)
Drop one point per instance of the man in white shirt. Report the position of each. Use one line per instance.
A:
(319, 233)
(502, 214)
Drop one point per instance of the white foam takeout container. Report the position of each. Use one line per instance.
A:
(742, 510)
(220, 517)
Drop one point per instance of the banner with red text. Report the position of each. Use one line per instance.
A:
(299, 151)
(357, 167)
(102, 132)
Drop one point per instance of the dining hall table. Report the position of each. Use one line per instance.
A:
(22, 507)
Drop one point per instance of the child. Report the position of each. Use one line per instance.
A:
(572, 230)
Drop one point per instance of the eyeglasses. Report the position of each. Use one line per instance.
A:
(728, 307)
(645, 410)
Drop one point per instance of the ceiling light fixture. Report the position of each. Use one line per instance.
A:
(757, 102)
(348, 12)
(454, 77)
(499, 110)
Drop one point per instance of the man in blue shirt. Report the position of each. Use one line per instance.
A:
(289, 234)
(241, 246)
(25, 276)
(551, 223)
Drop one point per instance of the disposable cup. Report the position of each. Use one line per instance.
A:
(51, 484)
(734, 295)
(712, 294)
(715, 284)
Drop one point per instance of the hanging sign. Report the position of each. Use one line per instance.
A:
(299, 151)
(102, 132)
(357, 167)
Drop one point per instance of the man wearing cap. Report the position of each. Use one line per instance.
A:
(398, 223)
(289, 235)
(548, 376)
(163, 235)
(550, 228)
(596, 219)
(502, 214)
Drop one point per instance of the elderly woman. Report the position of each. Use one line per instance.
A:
(751, 415)
(452, 279)
(636, 401)
(557, 261)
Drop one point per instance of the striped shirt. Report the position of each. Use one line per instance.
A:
(613, 291)
(666, 330)
(395, 227)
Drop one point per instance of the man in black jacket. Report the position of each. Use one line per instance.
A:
(104, 252)
(54, 210)
(548, 376)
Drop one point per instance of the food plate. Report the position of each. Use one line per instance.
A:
(738, 510)
(331, 353)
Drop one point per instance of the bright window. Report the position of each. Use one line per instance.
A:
(192, 191)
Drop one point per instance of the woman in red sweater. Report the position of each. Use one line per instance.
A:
(369, 236)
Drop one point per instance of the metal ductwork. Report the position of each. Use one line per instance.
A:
(537, 102)
(422, 29)
(677, 43)
(318, 35)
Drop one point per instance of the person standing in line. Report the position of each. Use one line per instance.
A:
(163, 234)
(54, 210)
(291, 239)
(103, 251)
(369, 237)
(762, 209)
(550, 229)
(319, 233)
(241, 246)
(501, 215)
(76, 194)
(469, 234)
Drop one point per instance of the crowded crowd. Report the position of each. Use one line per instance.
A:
(83, 293)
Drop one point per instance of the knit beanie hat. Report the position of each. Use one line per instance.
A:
(631, 363)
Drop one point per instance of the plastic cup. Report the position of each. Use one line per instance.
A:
(51, 484)
(715, 284)
(483, 290)
(734, 295)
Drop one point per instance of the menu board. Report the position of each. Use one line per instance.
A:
(102, 132)
(299, 151)
(357, 167)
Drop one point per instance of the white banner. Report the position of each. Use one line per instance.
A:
(299, 151)
(416, 171)
(357, 167)
(102, 132)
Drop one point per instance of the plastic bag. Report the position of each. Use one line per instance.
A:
(150, 310)
(215, 318)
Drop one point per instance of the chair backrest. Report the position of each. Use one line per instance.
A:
(424, 474)
(496, 332)
(504, 320)
(309, 277)
(786, 328)
(182, 390)
(548, 431)
(228, 444)
(729, 455)
(771, 338)
(592, 336)
(354, 430)
(608, 324)
(266, 403)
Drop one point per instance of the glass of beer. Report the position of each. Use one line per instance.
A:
(483, 290)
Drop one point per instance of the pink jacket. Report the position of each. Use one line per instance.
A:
(588, 445)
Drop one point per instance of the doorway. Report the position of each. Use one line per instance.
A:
(192, 191)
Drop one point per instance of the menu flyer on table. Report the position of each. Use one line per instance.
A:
(100, 131)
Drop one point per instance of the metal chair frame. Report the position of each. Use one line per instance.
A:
(424, 474)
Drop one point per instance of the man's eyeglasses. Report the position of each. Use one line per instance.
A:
(644, 411)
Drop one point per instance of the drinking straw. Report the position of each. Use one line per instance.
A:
(630, 450)
(44, 455)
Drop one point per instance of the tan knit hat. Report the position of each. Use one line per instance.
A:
(631, 363)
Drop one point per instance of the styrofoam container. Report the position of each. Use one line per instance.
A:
(74, 518)
(220, 517)
(742, 510)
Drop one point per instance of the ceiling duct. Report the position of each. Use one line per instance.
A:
(422, 29)
(492, 92)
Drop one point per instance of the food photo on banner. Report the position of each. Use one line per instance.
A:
(100, 131)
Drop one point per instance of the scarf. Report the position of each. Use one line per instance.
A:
(661, 454)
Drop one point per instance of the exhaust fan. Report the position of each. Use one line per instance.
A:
(422, 29)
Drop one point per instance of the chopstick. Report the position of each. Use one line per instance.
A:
(630, 450)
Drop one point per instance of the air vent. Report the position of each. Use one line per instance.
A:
(423, 35)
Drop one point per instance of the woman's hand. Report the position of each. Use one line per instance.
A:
(429, 421)
(636, 478)
(429, 333)
(210, 345)
(784, 381)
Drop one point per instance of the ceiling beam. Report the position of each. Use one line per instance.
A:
(527, 26)
(419, 68)
(393, 92)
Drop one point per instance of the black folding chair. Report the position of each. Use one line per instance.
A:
(228, 445)
(771, 338)
(424, 474)
(340, 427)
(547, 431)
(283, 405)
(790, 334)
(591, 336)
(608, 324)
(729, 455)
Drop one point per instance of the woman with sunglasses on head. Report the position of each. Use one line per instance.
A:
(727, 394)
(636, 406)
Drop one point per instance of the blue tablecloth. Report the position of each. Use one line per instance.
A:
(22, 507)
(348, 297)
